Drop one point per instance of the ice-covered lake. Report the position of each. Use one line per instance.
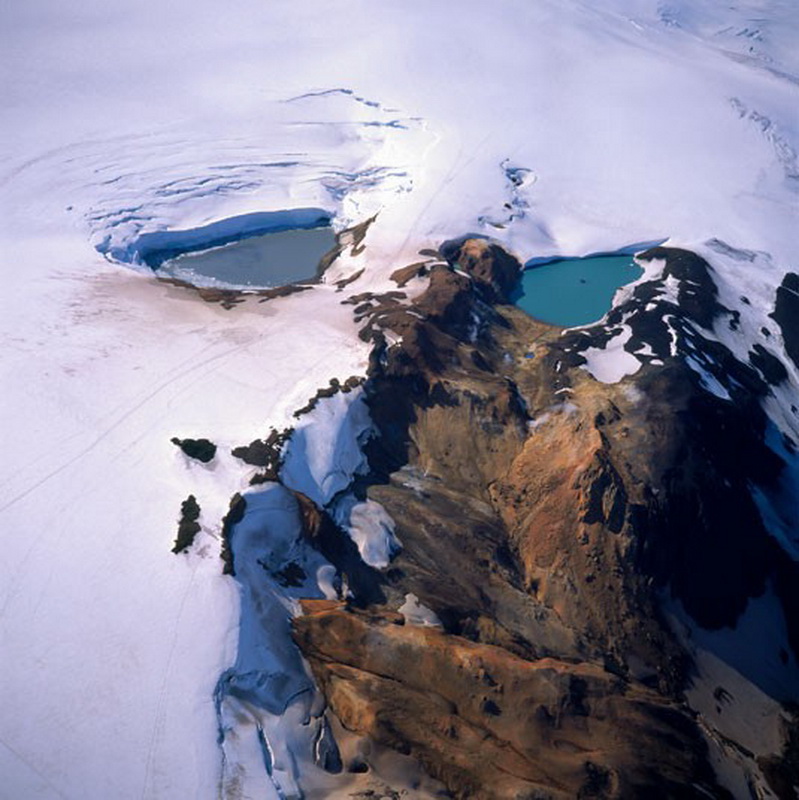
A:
(574, 291)
(261, 249)
(272, 259)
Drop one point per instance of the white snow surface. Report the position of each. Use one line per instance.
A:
(626, 123)
(268, 678)
(324, 452)
(371, 528)
(611, 363)
(417, 613)
(322, 458)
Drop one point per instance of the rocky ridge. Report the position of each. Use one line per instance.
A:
(552, 522)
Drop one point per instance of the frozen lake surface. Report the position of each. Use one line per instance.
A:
(272, 259)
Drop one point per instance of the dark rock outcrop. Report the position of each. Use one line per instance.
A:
(188, 527)
(493, 270)
(265, 453)
(335, 386)
(404, 275)
(236, 510)
(786, 314)
(198, 449)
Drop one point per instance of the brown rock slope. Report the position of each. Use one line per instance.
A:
(540, 513)
(491, 724)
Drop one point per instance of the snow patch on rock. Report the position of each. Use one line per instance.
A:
(417, 613)
(324, 453)
(611, 363)
(371, 528)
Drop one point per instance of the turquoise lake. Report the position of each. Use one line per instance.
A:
(574, 291)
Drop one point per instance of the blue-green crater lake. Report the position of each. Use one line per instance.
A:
(574, 291)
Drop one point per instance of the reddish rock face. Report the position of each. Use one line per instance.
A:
(491, 724)
(490, 266)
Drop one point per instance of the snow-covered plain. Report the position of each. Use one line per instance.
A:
(555, 127)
